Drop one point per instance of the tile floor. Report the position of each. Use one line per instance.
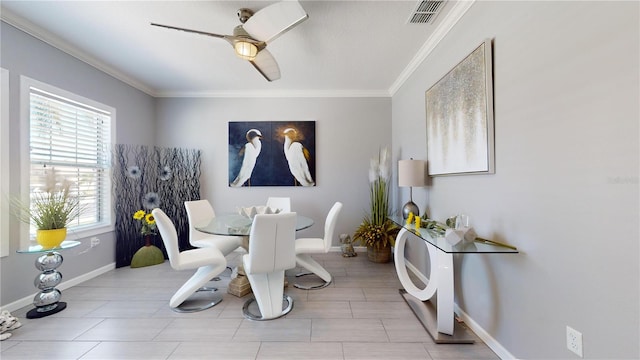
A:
(124, 314)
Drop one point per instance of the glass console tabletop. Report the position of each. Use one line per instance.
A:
(430, 236)
(236, 224)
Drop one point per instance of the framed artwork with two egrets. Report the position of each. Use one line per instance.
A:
(459, 108)
(272, 153)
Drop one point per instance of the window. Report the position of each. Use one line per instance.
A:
(73, 135)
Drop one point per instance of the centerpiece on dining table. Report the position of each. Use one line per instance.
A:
(251, 211)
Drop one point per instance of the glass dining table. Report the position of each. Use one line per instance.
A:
(234, 224)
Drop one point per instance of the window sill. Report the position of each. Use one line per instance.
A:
(78, 234)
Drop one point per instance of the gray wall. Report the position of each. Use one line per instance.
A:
(22, 54)
(349, 131)
(565, 191)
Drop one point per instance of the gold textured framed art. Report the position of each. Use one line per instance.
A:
(459, 108)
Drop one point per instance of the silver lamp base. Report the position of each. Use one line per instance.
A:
(410, 207)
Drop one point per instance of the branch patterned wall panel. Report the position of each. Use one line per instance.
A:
(148, 177)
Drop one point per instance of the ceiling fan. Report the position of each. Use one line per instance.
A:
(258, 29)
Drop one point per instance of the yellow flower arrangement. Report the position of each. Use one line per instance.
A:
(437, 229)
(148, 222)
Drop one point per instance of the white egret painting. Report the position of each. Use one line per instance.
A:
(272, 153)
(460, 118)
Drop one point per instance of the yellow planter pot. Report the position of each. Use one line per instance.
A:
(50, 239)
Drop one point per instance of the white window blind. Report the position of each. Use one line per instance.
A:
(74, 138)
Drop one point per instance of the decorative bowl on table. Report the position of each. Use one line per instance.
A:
(251, 211)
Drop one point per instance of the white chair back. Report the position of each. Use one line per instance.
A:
(272, 243)
(330, 224)
(169, 236)
(198, 212)
(282, 203)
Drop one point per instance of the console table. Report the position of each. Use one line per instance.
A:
(47, 301)
(438, 320)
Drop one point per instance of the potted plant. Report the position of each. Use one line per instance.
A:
(50, 210)
(376, 231)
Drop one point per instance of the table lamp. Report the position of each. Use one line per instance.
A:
(411, 173)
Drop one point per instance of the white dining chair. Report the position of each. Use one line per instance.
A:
(307, 246)
(271, 252)
(199, 212)
(209, 262)
(282, 203)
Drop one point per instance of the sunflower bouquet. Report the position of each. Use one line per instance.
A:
(148, 254)
(148, 222)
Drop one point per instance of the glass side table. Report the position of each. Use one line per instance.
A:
(47, 301)
(438, 319)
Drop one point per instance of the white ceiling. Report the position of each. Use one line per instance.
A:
(345, 48)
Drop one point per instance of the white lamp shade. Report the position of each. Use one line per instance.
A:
(411, 173)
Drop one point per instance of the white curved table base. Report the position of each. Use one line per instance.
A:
(440, 285)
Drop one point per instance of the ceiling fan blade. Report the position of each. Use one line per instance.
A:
(266, 64)
(274, 20)
(226, 37)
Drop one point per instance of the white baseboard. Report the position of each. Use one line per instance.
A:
(492, 343)
(28, 300)
(356, 248)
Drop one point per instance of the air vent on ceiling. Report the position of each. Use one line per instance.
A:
(426, 11)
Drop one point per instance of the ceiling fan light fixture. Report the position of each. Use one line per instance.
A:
(245, 50)
(266, 24)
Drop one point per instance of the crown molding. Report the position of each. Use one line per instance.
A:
(279, 94)
(450, 20)
(26, 26)
(62, 45)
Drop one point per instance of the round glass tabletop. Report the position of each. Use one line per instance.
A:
(236, 224)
